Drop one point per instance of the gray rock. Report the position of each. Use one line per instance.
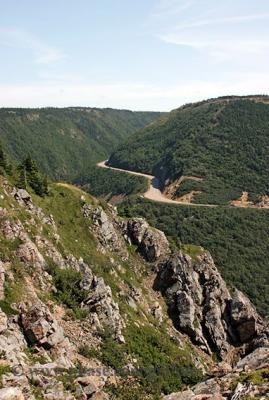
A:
(105, 228)
(244, 317)
(2, 280)
(258, 359)
(23, 197)
(151, 242)
(11, 393)
(203, 308)
(3, 321)
(103, 310)
(40, 327)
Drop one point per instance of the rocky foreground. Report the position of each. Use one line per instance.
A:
(181, 295)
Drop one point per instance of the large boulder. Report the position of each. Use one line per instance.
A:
(40, 327)
(258, 359)
(151, 242)
(11, 393)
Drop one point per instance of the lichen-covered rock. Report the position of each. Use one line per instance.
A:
(23, 197)
(12, 343)
(2, 280)
(3, 321)
(244, 317)
(29, 254)
(40, 327)
(11, 230)
(11, 393)
(203, 308)
(151, 242)
(50, 250)
(105, 228)
(104, 311)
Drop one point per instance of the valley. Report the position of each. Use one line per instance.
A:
(154, 192)
(120, 265)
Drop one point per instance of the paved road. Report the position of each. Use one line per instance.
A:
(153, 193)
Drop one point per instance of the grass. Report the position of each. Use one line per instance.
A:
(254, 377)
(4, 369)
(193, 251)
(34, 357)
(13, 294)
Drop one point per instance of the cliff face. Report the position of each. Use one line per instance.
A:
(217, 319)
(82, 290)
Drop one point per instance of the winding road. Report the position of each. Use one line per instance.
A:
(153, 193)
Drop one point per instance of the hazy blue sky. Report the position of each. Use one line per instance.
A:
(142, 55)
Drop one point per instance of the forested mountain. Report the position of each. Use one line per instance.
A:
(65, 142)
(224, 141)
(96, 306)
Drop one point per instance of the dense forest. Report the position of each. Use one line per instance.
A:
(224, 141)
(107, 183)
(236, 238)
(65, 142)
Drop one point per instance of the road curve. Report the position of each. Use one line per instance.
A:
(153, 193)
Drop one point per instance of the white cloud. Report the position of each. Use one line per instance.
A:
(42, 53)
(138, 96)
(218, 31)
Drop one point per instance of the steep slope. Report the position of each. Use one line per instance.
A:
(65, 142)
(92, 305)
(236, 238)
(224, 141)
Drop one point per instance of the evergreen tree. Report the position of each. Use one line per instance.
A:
(22, 177)
(30, 175)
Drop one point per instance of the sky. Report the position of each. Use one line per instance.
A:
(139, 55)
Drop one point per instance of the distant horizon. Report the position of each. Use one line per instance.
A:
(154, 55)
(132, 110)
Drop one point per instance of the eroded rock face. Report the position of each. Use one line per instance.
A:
(151, 242)
(2, 280)
(202, 306)
(106, 229)
(40, 327)
(244, 317)
(104, 311)
(258, 359)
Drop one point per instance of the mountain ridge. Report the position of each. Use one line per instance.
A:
(66, 142)
(225, 141)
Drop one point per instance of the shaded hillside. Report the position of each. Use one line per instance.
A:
(64, 142)
(225, 141)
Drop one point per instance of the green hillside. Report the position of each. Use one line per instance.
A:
(225, 141)
(64, 142)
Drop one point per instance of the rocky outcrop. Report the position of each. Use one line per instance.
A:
(201, 305)
(248, 380)
(106, 229)
(3, 321)
(2, 280)
(103, 310)
(40, 327)
(244, 318)
(151, 242)
(258, 359)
